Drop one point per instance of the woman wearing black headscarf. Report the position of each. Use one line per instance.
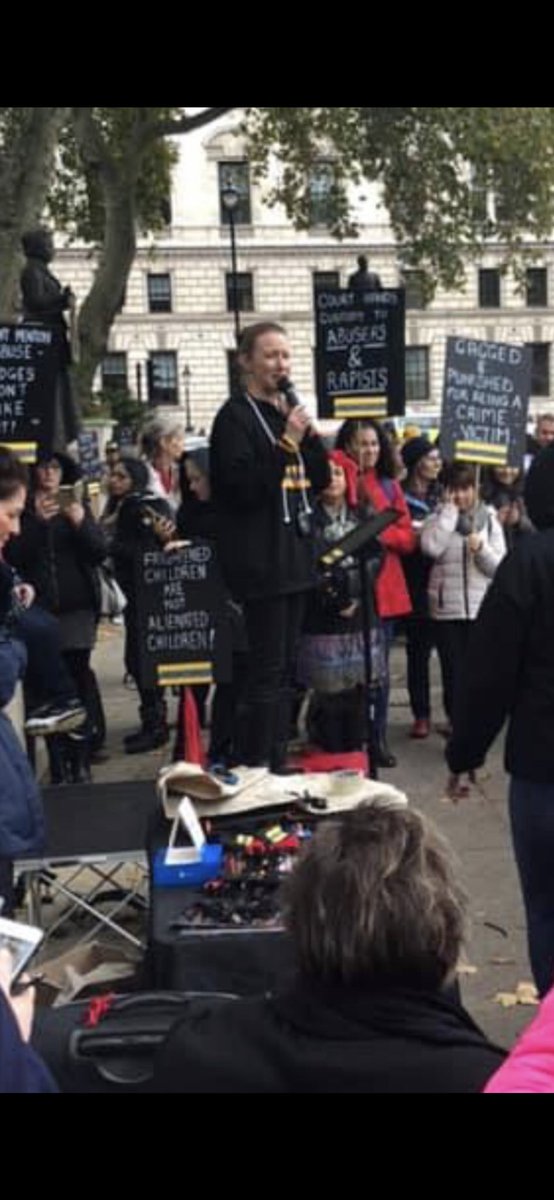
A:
(142, 521)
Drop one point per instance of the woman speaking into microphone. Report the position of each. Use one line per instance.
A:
(265, 459)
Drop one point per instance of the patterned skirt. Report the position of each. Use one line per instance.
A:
(334, 662)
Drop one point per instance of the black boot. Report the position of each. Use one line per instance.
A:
(78, 757)
(57, 757)
(383, 755)
(147, 739)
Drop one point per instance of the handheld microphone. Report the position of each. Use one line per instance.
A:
(286, 386)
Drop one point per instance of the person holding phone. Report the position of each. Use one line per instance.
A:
(58, 551)
(21, 1068)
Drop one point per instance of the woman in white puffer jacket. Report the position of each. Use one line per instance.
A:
(466, 541)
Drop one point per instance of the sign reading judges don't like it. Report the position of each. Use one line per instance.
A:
(29, 363)
(485, 402)
(179, 599)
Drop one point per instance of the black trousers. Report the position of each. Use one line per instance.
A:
(78, 663)
(451, 639)
(47, 676)
(273, 627)
(420, 640)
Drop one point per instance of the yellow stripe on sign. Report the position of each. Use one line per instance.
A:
(360, 401)
(494, 447)
(26, 451)
(203, 665)
(184, 673)
(493, 455)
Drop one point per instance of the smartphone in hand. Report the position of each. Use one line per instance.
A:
(22, 941)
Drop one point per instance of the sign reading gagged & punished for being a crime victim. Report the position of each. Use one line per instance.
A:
(360, 352)
(485, 402)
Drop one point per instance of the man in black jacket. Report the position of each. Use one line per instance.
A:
(510, 674)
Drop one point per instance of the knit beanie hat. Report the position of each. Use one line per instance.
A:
(414, 450)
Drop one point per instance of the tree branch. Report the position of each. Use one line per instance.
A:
(184, 124)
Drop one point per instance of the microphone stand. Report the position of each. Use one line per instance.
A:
(358, 544)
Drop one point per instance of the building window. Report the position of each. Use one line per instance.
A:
(417, 373)
(245, 291)
(326, 279)
(479, 195)
(114, 373)
(536, 287)
(415, 292)
(162, 377)
(159, 293)
(237, 174)
(540, 368)
(321, 184)
(489, 288)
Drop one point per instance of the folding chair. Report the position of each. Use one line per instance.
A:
(97, 829)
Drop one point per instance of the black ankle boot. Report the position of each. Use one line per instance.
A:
(383, 756)
(146, 739)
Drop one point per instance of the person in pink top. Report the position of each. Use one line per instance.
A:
(530, 1065)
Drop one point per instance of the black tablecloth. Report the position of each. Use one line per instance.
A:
(242, 961)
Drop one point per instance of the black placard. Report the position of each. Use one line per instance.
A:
(29, 365)
(126, 438)
(89, 454)
(180, 599)
(485, 402)
(360, 352)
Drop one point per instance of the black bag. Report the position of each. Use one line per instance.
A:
(121, 1047)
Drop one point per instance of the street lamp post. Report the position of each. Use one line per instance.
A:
(189, 427)
(230, 197)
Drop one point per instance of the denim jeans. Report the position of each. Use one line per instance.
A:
(532, 820)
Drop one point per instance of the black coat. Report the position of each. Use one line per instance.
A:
(510, 667)
(261, 554)
(317, 1040)
(60, 560)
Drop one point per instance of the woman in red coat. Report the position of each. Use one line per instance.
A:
(366, 443)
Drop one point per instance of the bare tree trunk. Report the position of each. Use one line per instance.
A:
(105, 297)
(26, 164)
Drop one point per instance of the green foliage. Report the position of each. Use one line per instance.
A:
(76, 202)
(117, 404)
(435, 166)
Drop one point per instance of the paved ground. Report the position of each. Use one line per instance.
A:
(477, 828)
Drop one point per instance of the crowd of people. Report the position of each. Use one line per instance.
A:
(272, 496)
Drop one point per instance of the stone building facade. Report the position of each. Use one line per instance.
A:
(173, 339)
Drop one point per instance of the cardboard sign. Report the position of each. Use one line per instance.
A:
(29, 366)
(89, 454)
(360, 352)
(485, 402)
(180, 599)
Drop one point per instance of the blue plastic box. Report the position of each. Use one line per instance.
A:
(188, 874)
